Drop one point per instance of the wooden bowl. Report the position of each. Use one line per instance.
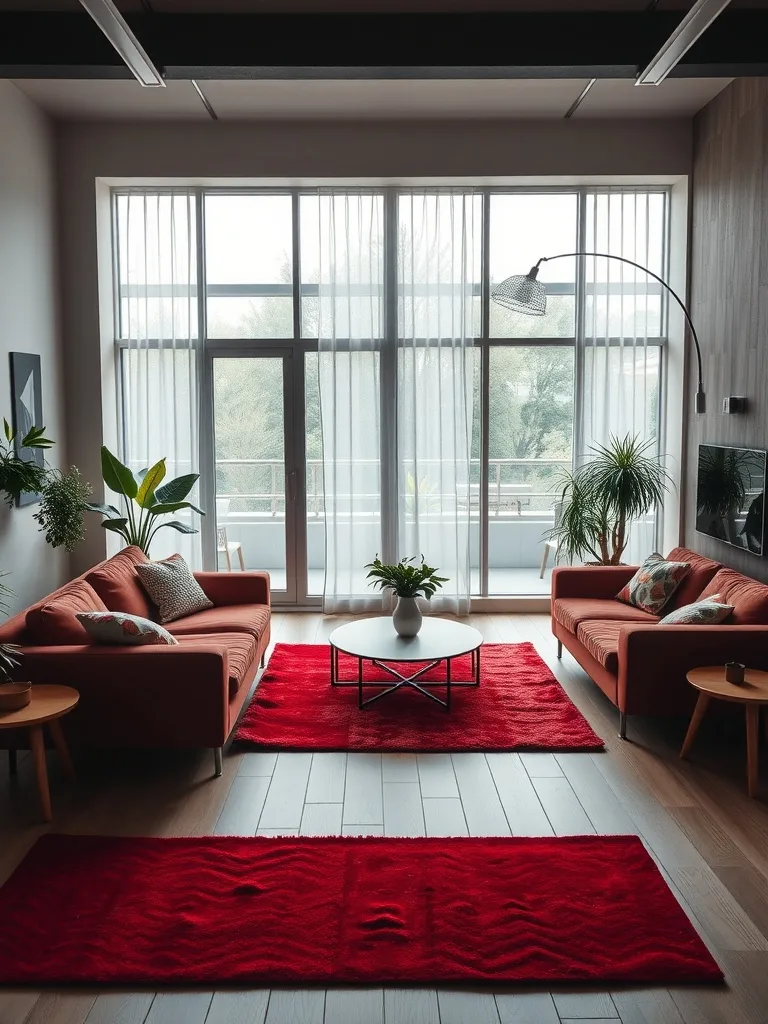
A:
(14, 696)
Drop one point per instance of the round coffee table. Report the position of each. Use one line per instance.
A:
(711, 682)
(375, 640)
(47, 706)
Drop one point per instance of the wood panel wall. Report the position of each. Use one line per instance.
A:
(729, 288)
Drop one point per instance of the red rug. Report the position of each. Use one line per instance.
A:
(519, 705)
(96, 910)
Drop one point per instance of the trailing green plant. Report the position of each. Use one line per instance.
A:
(405, 579)
(63, 504)
(18, 475)
(147, 501)
(8, 652)
(620, 484)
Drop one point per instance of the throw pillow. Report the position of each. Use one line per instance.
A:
(172, 588)
(124, 629)
(654, 583)
(709, 612)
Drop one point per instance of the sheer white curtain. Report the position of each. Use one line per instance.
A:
(623, 322)
(350, 246)
(158, 322)
(439, 257)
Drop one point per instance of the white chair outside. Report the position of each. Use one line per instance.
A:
(551, 545)
(225, 546)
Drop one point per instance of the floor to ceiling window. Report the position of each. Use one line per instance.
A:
(227, 297)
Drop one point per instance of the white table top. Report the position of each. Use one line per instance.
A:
(376, 638)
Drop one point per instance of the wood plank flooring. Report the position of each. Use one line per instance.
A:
(709, 839)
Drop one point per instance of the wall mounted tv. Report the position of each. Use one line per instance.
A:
(729, 496)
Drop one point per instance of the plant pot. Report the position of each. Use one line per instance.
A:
(14, 696)
(406, 617)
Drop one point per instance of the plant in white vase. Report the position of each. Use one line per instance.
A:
(407, 582)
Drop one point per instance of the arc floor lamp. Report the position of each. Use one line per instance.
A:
(524, 293)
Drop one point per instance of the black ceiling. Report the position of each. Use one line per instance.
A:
(510, 43)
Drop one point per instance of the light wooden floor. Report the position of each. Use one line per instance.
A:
(710, 840)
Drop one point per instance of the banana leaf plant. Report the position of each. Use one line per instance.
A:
(147, 501)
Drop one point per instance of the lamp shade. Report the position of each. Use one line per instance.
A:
(522, 293)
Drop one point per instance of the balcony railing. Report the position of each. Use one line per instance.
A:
(508, 494)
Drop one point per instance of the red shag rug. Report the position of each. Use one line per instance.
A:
(98, 911)
(519, 705)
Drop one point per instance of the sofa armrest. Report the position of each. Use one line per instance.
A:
(600, 581)
(654, 660)
(225, 588)
(141, 696)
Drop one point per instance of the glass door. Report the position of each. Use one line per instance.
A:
(255, 476)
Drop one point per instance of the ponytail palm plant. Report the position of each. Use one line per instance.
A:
(147, 501)
(619, 484)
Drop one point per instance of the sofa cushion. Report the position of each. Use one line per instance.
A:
(570, 611)
(601, 639)
(241, 651)
(702, 571)
(53, 621)
(172, 587)
(118, 586)
(124, 630)
(654, 583)
(231, 618)
(748, 597)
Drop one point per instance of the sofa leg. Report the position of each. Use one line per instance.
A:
(622, 725)
(12, 764)
(559, 648)
(263, 661)
(216, 762)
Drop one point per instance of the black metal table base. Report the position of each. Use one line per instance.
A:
(402, 681)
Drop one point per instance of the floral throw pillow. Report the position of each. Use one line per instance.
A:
(709, 612)
(172, 588)
(654, 583)
(124, 629)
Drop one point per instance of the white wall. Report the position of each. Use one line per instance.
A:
(91, 154)
(29, 319)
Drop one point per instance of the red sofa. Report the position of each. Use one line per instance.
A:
(639, 665)
(186, 695)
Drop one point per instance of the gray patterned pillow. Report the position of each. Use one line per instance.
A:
(124, 629)
(709, 612)
(172, 587)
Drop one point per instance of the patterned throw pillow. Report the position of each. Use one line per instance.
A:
(122, 628)
(173, 589)
(709, 612)
(654, 583)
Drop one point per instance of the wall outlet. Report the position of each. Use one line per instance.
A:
(734, 404)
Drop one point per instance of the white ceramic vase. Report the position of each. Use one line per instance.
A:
(406, 617)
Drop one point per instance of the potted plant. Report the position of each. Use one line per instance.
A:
(19, 475)
(619, 484)
(407, 582)
(63, 504)
(12, 695)
(147, 501)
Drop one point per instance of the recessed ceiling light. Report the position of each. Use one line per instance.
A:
(119, 33)
(693, 25)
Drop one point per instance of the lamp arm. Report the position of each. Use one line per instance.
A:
(673, 293)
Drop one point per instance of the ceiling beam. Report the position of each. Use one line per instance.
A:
(382, 46)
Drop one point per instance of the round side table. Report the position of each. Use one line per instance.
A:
(48, 705)
(752, 693)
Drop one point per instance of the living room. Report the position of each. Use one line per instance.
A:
(382, 543)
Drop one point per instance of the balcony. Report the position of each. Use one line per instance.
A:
(251, 508)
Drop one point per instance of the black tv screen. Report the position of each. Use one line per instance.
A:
(729, 495)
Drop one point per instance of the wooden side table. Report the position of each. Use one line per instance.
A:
(48, 705)
(711, 682)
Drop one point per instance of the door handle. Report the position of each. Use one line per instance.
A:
(292, 486)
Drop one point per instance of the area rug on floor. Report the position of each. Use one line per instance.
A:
(519, 705)
(96, 910)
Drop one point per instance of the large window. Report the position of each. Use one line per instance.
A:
(238, 275)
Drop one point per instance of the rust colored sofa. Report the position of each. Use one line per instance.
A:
(639, 665)
(185, 695)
